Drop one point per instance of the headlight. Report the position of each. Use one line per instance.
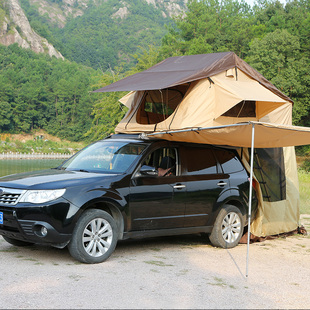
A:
(41, 196)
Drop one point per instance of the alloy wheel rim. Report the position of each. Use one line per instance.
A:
(97, 237)
(231, 227)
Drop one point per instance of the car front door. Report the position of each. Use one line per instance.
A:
(157, 200)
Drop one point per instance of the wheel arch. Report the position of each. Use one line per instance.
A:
(113, 210)
(229, 197)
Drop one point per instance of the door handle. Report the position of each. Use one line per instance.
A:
(221, 183)
(179, 186)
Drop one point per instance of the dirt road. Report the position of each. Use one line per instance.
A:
(173, 272)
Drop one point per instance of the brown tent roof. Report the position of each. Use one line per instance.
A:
(179, 70)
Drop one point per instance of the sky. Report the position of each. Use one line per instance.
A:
(251, 2)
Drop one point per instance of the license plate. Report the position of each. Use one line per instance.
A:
(1, 218)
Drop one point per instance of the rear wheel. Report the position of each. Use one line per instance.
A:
(94, 237)
(16, 242)
(228, 227)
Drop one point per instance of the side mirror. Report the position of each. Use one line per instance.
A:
(148, 170)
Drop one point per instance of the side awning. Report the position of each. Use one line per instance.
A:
(240, 135)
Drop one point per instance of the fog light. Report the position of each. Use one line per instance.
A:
(43, 231)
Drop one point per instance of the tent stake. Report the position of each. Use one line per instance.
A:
(250, 201)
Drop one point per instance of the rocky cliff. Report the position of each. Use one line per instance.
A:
(15, 28)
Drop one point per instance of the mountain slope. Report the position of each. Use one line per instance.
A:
(96, 33)
(60, 11)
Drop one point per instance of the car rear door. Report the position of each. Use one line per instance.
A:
(205, 182)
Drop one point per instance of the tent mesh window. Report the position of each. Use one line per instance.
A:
(157, 105)
(269, 170)
(244, 108)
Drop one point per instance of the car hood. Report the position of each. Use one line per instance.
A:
(54, 179)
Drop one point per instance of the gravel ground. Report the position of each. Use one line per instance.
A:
(166, 273)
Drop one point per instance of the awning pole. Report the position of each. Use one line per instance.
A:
(250, 200)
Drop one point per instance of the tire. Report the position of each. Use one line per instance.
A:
(228, 227)
(16, 242)
(94, 237)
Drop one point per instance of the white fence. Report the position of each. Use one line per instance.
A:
(34, 156)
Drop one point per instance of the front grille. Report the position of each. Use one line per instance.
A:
(9, 199)
(10, 196)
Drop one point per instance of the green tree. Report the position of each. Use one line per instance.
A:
(278, 57)
(210, 26)
(107, 111)
(37, 91)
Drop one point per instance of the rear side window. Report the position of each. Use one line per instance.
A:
(200, 161)
(228, 160)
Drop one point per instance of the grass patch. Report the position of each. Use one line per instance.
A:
(301, 245)
(10, 250)
(157, 263)
(38, 143)
(220, 282)
(304, 191)
(75, 277)
(182, 272)
(30, 259)
(155, 249)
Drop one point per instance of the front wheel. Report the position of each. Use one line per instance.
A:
(94, 237)
(228, 227)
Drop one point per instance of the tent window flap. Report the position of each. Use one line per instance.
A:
(244, 108)
(158, 105)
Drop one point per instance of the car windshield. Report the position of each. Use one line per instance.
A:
(105, 157)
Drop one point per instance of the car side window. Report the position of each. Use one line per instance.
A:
(200, 161)
(164, 160)
(228, 160)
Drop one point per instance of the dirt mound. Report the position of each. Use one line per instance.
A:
(23, 137)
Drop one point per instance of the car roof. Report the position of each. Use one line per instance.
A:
(139, 138)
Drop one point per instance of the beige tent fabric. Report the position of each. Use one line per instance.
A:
(127, 100)
(230, 91)
(204, 103)
(282, 216)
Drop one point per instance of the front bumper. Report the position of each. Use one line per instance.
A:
(46, 224)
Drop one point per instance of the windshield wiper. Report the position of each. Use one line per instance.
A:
(83, 170)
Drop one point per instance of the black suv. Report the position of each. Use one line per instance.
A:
(126, 187)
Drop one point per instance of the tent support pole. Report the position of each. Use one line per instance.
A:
(250, 200)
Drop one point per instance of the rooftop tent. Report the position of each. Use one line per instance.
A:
(199, 99)
(194, 91)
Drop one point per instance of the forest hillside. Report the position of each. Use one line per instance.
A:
(101, 41)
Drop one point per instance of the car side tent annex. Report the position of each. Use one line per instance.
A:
(203, 99)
